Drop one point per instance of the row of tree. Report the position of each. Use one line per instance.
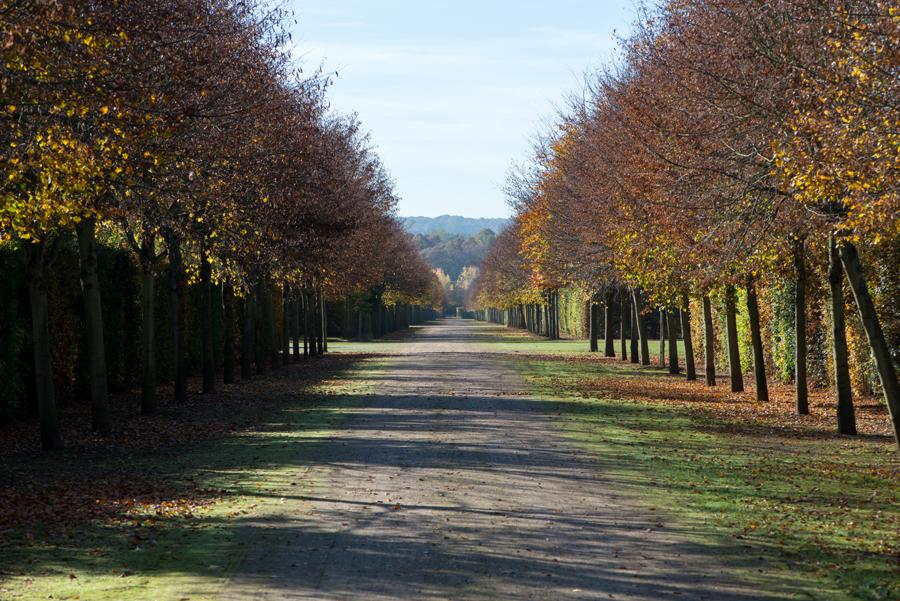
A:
(737, 145)
(180, 130)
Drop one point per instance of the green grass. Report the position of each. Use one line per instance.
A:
(529, 345)
(817, 516)
(150, 557)
(498, 340)
(372, 347)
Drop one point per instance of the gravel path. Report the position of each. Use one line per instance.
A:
(453, 484)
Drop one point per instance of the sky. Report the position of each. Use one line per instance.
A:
(452, 93)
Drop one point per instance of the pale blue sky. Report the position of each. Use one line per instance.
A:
(453, 91)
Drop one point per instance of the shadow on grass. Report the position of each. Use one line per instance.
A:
(260, 466)
(748, 417)
(821, 501)
(658, 452)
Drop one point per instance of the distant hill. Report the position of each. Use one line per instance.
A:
(453, 224)
(454, 252)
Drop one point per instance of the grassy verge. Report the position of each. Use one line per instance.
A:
(516, 341)
(184, 538)
(795, 508)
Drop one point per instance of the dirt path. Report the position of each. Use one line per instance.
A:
(452, 484)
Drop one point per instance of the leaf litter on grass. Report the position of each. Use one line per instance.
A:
(787, 485)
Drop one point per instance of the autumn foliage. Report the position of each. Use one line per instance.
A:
(738, 151)
(183, 132)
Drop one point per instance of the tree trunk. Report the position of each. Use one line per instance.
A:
(609, 342)
(285, 324)
(734, 353)
(549, 313)
(39, 257)
(546, 330)
(556, 317)
(206, 329)
(313, 328)
(248, 335)
(690, 367)
(324, 312)
(297, 321)
(633, 334)
(554, 313)
(228, 360)
(662, 337)
(93, 318)
(759, 361)
(623, 315)
(148, 328)
(550, 320)
(641, 326)
(317, 324)
(304, 302)
(709, 342)
(877, 343)
(593, 325)
(800, 346)
(271, 331)
(846, 416)
(176, 299)
(259, 327)
(672, 329)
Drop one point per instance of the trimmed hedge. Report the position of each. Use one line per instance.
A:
(120, 295)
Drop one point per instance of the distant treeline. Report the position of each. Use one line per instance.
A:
(453, 224)
(452, 252)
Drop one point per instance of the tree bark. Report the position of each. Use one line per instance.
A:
(271, 331)
(877, 343)
(662, 337)
(176, 299)
(259, 327)
(206, 329)
(285, 324)
(148, 327)
(313, 328)
(593, 325)
(633, 335)
(690, 367)
(759, 361)
(304, 302)
(248, 335)
(800, 346)
(734, 353)
(710, 342)
(39, 257)
(93, 317)
(547, 330)
(609, 343)
(297, 323)
(324, 312)
(846, 416)
(641, 326)
(228, 359)
(672, 329)
(623, 315)
(556, 316)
